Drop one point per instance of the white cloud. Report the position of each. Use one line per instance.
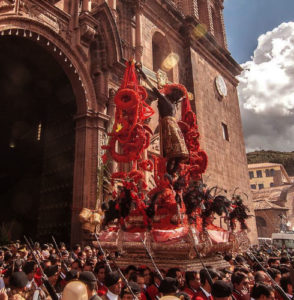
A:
(266, 92)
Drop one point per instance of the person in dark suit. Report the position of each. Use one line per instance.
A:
(221, 290)
(204, 292)
(240, 283)
(126, 294)
(114, 284)
(89, 279)
(192, 279)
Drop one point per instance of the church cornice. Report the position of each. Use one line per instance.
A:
(47, 6)
(210, 49)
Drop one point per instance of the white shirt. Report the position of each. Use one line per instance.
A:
(111, 296)
(205, 292)
(30, 283)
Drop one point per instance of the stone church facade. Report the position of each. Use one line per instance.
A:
(86, 43)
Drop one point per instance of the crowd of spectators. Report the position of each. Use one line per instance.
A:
(82, 274)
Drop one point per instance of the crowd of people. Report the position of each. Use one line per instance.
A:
(83, 274)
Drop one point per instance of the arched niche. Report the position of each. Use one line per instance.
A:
(161, 51)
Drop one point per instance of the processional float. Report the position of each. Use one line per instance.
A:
(174, 218)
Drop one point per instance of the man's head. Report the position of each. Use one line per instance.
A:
(262, 291)
(285, 270)
(286, 284)
(204, 278)
(75, 290)
(261, 276)
(221, 290)
(285, 260)
(23, 252)
(113, 282)
(100, 272)
(88, 251)
(29, 268)
(47, 263)
(126, 294)
(138, 278)
(175, 95)
(129, 270)
(192, 279)
(239, 260)
(240, 281)
(168, 286)
(146, 273)
(76, 248)
(52, 273)
(229, 259)
(275, 274)
(89, 279)
(273, 262)
(177, 274)
(77, 265)
(71, 275)
(89, 265)
(65, 254)
(18, 280)
(82, 256)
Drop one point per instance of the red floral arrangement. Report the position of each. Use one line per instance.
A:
(132, 136)
(129, 130)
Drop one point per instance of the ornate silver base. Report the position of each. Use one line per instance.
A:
(216, 262)
(179, 253)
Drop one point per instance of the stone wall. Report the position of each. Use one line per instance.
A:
(227, 163)
(268, 222)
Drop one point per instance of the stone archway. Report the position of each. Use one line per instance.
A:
(37, 141)
(82, 183)
(261, 226)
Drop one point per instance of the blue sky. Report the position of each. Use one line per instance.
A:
(260, 35)
(246, 20)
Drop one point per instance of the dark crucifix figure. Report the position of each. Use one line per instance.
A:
(173, 144)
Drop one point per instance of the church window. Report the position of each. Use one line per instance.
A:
(225, 132)
(163, 58)
(259, 174)
(156, 56)
(251, 174)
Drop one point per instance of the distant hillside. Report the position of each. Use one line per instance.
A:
(284, 158)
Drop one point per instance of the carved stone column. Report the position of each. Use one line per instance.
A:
(139, 46)
(190, 8)
(137, 6)
(223, 27)
(103, 119)
(210, 17)
(90, 134)
(85, 170)
(111, 113)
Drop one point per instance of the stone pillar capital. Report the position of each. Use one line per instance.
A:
(137, 4)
